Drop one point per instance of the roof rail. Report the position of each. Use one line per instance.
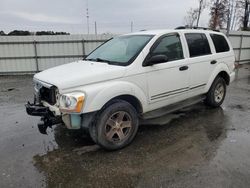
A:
(203, 28)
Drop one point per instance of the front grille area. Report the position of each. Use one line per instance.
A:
(48, 95)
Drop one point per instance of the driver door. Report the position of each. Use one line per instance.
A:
(167, 80)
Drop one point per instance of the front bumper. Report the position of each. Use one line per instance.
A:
(47, 117)
(36, 110)
(50, 118)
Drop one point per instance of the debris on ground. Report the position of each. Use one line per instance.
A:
(86, 149)
(8, 89)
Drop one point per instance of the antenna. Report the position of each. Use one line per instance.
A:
(87, 15)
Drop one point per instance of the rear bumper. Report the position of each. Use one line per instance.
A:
(232, 76)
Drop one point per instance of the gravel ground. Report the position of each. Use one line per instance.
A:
(196, 147)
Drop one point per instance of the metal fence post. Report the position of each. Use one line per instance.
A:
(239, 57)
(36, 57)
(83, 48)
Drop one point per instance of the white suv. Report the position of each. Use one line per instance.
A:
(134, 76)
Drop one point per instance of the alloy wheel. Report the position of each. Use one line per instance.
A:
(219, 93)
(118, 126)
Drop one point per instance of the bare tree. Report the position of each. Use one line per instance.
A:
(232, 13)
(191, 17)
(242, 13)
(193, 14)
(246, 5)
(230, 9)
(235, 15)
(219, 14)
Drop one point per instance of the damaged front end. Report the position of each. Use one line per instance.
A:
(55, 108)
(47, 117)
(48, 94)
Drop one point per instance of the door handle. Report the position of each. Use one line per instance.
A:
(213, 62)
(183, 68)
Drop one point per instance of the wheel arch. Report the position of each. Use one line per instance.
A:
(225, 76)
(121, 90)
(134, 101)
(221, 70)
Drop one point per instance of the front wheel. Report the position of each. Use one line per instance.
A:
(116, 126)
(216, 93)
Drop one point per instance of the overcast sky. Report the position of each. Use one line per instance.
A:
(111, 15)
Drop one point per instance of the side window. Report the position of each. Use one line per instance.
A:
(220, 43)
(197, 44)
(169, 46)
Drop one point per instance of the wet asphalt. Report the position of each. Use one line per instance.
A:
(194, 147)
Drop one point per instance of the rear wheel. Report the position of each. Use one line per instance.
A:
(216, 93)
(116, 126)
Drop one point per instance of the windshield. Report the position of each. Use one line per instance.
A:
(120, 50)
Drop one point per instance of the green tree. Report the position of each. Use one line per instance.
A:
(51, 33)
(2, 33)
(19, 33)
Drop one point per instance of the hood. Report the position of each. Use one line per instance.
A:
(80, 73)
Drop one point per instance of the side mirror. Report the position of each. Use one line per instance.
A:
(156, 59)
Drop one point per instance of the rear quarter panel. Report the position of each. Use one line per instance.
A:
(219, 68)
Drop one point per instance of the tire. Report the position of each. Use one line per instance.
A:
(92, 132)
(116, 125)
(216, 93)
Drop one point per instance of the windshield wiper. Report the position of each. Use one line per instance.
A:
(102, 60)
(90, 59)
(99, 60)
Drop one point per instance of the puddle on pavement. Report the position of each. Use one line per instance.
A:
(176, 147)
(184, 148)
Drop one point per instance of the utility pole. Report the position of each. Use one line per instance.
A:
(131, 26)
(95, 28)
(199, 13)
(229, 16)
(87, 15)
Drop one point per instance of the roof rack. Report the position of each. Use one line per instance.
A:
(203, 28)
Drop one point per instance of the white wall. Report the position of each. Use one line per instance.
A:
(23, 54)
(28, 54)
(241, 44)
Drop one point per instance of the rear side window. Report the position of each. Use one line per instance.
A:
(220, 43)
(197, 44)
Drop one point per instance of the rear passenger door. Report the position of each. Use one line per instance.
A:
(224, 53)
(200, 61)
